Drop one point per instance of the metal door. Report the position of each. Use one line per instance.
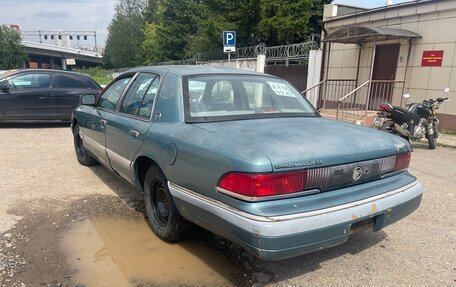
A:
(126, 130)
(384, 74)
(29, 98)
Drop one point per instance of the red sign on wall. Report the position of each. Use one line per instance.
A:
(432, 58)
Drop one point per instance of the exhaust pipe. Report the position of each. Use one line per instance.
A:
(401, 130)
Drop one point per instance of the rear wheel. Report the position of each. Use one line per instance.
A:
(164, 219)
(432, 141)
(82, 154)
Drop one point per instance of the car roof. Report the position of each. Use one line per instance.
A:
(187, 70)
(18, 71)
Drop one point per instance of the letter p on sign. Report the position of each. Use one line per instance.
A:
(229, 38)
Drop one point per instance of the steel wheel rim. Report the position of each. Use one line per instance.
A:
(160, 204)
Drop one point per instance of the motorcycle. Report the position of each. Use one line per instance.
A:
(414, 123)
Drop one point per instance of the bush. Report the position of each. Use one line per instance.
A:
(100, 75)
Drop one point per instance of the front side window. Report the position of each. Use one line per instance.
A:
(232, 97)
(30, 81)
(111, 96)
(140, 96)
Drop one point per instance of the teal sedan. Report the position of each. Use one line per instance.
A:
(245, 156)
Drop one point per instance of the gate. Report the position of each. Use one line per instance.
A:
(296, 75)
(289, 62)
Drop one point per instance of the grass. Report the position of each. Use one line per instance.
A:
(100, 75)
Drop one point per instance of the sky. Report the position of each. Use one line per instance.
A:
(90, 15)
(60, 15)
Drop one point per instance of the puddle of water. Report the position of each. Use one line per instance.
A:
(125, 252)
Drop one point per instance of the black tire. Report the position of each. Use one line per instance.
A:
(82, 154)
(431, 141)
(163, 216)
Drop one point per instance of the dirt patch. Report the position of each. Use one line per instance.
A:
(101, 240)
(36, 236)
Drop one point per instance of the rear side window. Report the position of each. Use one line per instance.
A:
(30, 81)
(70, 82)
(111, 96)
(168, 99)
(92, 84)
(140, 96)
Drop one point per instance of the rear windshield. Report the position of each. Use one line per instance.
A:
(232, 97)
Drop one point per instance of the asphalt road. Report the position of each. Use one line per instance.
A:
(44, 193)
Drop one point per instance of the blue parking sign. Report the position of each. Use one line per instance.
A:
(229, 38)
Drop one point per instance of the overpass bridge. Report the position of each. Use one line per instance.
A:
(57, 57)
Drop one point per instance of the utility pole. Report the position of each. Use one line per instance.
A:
(95, 39)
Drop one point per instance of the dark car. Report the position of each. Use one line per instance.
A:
(34, 94)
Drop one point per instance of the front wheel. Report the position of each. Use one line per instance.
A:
(164, 219)
(432, 141)
(82, 154)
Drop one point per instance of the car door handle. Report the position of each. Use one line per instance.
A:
(103, 124)
(45, 97)
(134, 133)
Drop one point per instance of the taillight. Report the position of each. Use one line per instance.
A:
(402, 161)
(254, 185)
(395, 163)
(385, 107)
(263, 186)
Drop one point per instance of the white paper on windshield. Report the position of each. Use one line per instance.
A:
(281, 89)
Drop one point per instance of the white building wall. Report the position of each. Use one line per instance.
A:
(435, 21)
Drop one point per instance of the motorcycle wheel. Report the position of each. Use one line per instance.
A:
(431, 141)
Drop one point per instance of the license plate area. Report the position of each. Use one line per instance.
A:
(378, 122)
(363, 225)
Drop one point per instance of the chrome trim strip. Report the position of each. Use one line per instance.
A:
(122, 161)
(258, 199)
(300, 222)
(96, 146)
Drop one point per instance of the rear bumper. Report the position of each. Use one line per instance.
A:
(280, 237)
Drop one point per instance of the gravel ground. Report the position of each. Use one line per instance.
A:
(44, 191)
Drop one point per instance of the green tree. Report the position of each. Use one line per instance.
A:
(125, 34)
(210, 18)
(316, 19)
(167, 37)
(179, 29)
(284, 21)
(215, 16)
(12, 54)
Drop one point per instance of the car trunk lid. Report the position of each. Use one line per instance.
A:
(308, 142)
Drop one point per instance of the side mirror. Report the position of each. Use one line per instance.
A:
(406, 96)
(4, 85)
(88, 100)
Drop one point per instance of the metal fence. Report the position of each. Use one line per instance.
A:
(368, 97)
(284, 53)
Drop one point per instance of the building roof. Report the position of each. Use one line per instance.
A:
(362, 34)
(364, 11)
(66, 50)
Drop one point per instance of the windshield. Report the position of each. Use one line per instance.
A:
(232, 97)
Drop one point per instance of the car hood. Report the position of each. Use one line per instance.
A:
(304, 142)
